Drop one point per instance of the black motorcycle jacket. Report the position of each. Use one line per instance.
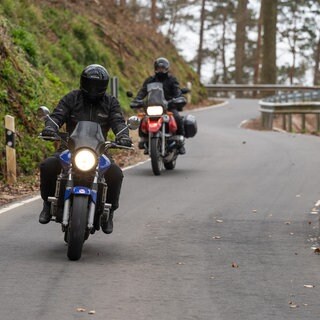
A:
(75, 107)
(170, 84)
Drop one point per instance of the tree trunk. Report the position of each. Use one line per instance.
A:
(269, 16)
(240, 58)
(153, 13)
(200, 49)
(257, 60)
(316, 78)
(223, 49)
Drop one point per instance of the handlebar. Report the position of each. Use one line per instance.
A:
(114, 145)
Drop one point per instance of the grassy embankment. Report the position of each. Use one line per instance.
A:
(43, 49)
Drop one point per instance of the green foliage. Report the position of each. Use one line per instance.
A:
(27, 42)
(44, 48)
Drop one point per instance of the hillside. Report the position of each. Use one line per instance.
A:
(44, 45)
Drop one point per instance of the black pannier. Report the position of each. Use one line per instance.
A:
(190, 126)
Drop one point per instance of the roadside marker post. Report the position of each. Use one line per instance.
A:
(10, 150)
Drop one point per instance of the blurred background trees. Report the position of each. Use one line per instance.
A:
(259, 41)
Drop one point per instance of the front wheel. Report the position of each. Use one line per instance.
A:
(155, 155)
(77, 226)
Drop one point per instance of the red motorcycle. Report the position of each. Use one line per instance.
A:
(159, 127)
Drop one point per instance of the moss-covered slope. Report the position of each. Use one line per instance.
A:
(44, 46)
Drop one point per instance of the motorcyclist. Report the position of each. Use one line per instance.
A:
(171, 90)
(89, 103)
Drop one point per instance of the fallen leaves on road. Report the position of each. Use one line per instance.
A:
(91, 312)
(219, 221)
(81, 310)
(309, 286)
(293, 305)
(235, 265)
(317, 250)
(216, 237)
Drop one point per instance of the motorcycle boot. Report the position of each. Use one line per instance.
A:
(181, 149)
(143, 144)
(45, 215)
(107, 224)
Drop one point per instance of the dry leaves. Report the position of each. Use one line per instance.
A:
(235, 265)
(317, 250)
(309, 286)
(293, 305)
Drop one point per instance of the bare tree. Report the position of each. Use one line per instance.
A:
(200, 48)
(316, 78)
(153, 13)
(269, 23)
(257, 59)
(241, 21)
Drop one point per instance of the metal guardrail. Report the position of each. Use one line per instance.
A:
(304, 100)
(255, 89)
(302, 103)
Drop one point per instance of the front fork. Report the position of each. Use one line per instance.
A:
(160, 134)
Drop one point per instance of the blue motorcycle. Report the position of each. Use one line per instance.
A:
(81, 190)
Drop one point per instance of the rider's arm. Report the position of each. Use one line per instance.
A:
(116, 118)
(143, 91)
(175, 86)
(61, 112)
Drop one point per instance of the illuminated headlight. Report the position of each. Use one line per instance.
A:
(85, 160)
(155, 111)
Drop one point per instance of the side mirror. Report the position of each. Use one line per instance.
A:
(129, 94)
(43, 113)
(133, 123)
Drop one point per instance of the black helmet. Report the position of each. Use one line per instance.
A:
(161, 65)
(94, 81)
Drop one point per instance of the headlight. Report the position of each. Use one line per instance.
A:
(85, 160)
(155, 111)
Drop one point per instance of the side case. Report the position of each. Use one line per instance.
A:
(190, 126)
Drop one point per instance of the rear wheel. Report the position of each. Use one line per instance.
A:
(155, 155)
(77, 226)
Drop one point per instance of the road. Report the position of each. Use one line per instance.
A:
(226, 235)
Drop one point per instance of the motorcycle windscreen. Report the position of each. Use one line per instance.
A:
(156, 94)
(87, 134)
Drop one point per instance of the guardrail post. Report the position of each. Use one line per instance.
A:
(10, 150)
(267, 120)
(303, 123)
(284, 121)
(115, 87)
(290, 122)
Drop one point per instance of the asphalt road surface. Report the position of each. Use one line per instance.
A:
(226, 235)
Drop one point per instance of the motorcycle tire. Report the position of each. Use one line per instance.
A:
(170, 165)
(77, 226)
(155, 155)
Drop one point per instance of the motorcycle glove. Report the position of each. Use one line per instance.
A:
(134, 104)
(48, 132)
(124, 140)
